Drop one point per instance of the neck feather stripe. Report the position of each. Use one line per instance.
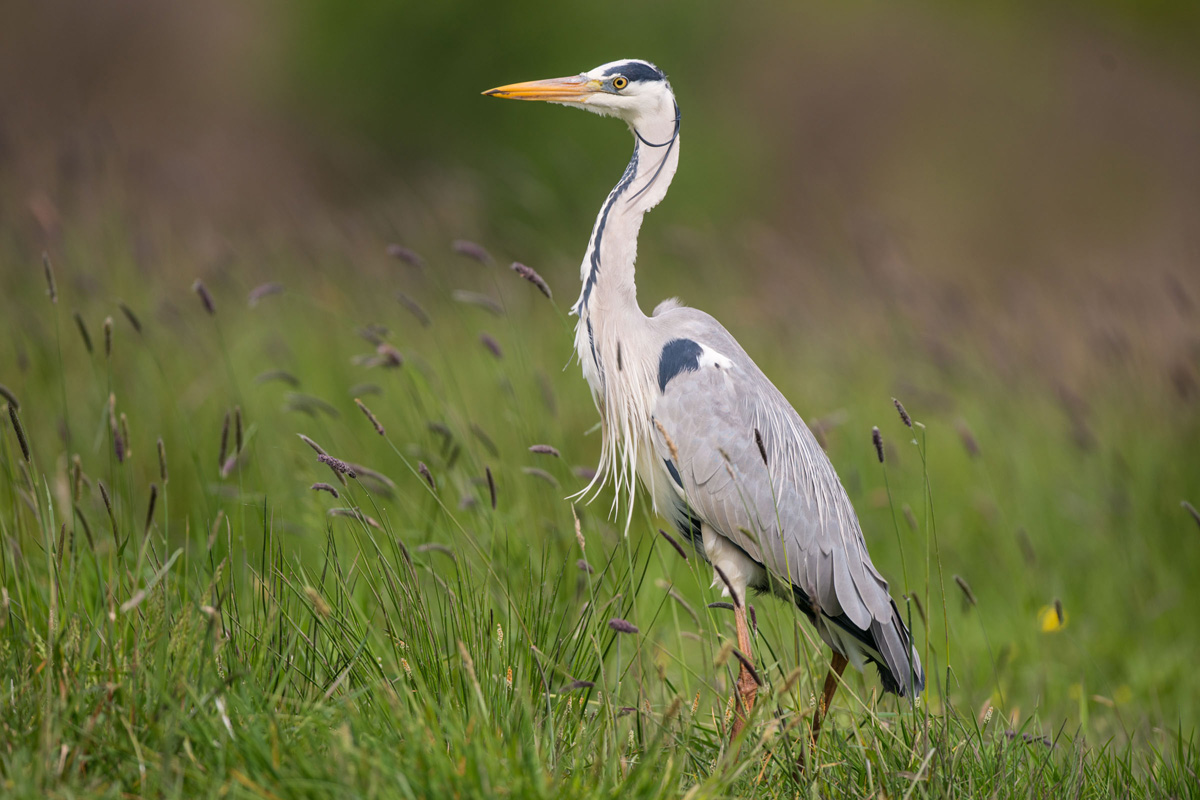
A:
(622, 185)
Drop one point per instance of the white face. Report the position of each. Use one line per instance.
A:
(630, 89)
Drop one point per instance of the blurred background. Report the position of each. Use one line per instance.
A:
(1028, 173)
(988, 211)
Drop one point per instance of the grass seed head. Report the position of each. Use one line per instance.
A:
(374, 421)
(9, 397)
(150, 507)
(530, 274)
(904, 417)
(762, 449)
(87, 529)
(541, 474)
(162, 461)
(388, 356)
(83, 331)
(1191, 509)
(125, 440)
(202, 292)
(48, 270)
(406, 255)
(108, 326)
(337, 465)
(622, 626)
(578, 530)
(491, 482)
(325, 487)
(355, 513)
(112, 518)
(237, 429)
(737, 601)
(426, 474)
(472, 250)
(479, 300)
(280, 375)
(492, 345)
(260, 293)
(584, 566)
(916, 601)
(671, 442)
(966, 589)
(414, 308)
(485, 440)
(968, 438)
(320, 607)
(678, 547)
(877, 439)
(544, 449)
(19, 429)
(132, 317)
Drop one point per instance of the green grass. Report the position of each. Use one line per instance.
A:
(242, 641)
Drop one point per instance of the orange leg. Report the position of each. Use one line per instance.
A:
(836, 668)
(747, 684)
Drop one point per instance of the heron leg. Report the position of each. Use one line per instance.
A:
(747, 685)
(836, 668)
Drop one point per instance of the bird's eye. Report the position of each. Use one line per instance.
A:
(620, 82)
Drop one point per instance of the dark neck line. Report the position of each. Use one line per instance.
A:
(631, 171)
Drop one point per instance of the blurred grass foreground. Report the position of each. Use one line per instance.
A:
(286, 444)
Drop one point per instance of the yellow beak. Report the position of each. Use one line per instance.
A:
(573, 89)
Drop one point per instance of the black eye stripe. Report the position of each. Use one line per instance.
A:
(636, 71)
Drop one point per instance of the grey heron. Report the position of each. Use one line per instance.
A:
(718, 448)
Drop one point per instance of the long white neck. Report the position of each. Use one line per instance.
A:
(612, 339)
(609, 291)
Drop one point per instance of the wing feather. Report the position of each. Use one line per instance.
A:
(799, 519)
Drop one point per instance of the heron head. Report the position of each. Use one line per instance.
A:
(631, 89)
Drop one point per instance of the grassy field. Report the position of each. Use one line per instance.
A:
(184, 613)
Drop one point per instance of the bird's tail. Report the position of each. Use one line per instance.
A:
(900, 667)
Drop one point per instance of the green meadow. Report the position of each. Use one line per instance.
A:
(186, 614)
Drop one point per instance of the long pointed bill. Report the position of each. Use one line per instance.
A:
(574, 89)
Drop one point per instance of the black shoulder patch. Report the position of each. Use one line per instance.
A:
(636, 71)
(678, 355)
(674, 472)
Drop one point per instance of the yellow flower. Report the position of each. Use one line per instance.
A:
(1049, 620)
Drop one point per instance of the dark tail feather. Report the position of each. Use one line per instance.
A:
(902, 669)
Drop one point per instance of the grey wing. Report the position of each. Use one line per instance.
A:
(750, 468)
